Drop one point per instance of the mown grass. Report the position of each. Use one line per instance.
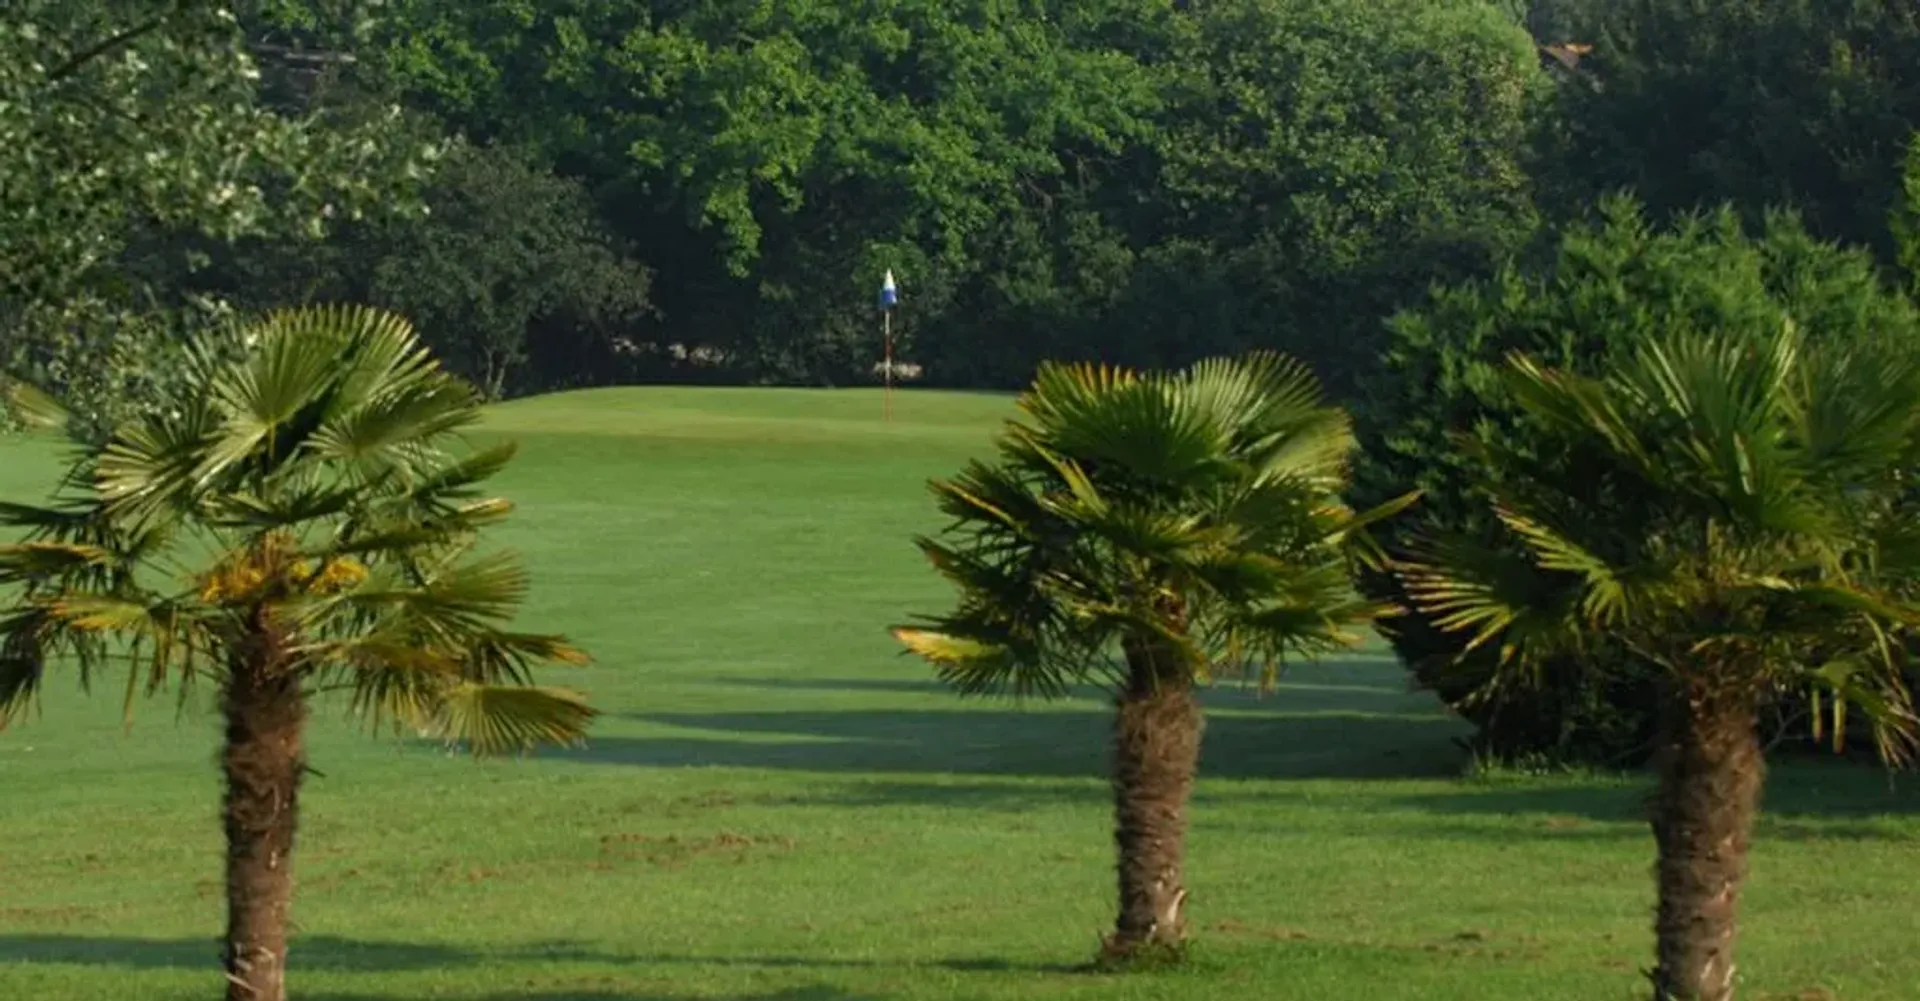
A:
(779, 808)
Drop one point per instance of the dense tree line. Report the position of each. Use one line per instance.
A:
(713, 188)
(1132, 181)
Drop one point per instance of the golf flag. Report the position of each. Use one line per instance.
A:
(889, 292)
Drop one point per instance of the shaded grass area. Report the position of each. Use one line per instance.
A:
(778, 807)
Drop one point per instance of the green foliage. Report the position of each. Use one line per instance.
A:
(1437, 401)
(509, 260)
(310, 491)
(1762, 103)
(1135, 182)
(507, 250)
(118, 115)
(1132, 182)
(773, 159)
(1548, 21)
(1313, 166)
(1196, 512)
(1906, 215)
(112, 361)
(1334, 159)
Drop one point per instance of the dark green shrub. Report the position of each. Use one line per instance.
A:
(1601, 289)
(1906, 215)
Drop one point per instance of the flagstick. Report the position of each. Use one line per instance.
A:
(886, 364)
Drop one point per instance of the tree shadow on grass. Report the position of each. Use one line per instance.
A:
(327, 953)
(1057, 742)
(1317, 689)
(316, 952)
(1804, 801)
(788, 994)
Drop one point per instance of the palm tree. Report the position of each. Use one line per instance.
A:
(1189, 519)
(1744, 527)
(303, 524)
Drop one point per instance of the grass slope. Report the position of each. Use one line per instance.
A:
(779, 808)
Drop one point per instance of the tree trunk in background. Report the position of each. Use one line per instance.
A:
(1710, 771)
(1156, 750)
(264, 761)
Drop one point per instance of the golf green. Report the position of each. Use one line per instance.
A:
(777, 806)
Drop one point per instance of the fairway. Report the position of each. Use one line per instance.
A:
(777, 806)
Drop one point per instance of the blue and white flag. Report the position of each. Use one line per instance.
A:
(889, 292)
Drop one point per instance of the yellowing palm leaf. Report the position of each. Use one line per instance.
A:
(490, 719)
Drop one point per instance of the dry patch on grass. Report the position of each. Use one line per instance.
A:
(673, 850)
(1473, 943)
(1483, 944)
(46, 917)
(1229, 926)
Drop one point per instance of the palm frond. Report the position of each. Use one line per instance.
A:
(461, 599)
(1312, 610)
(161, 640)
(1062, 393)
(389, 432)
(997, 497)
(387, 538)
(384, 356)
(1144, 532)
(1498, 599)
(455, 480)
(1609, 595)
(1306, 628)
(110, 614)
(1005, 581)
(1851, 406)
(155, 463)
(23, 661)
(1573, 404)
(1881, 694)
(1351, 529)
(244, 509)
(33, 407)
(496, 657)
(1801, 609)
(57, 523)
(490, 719)
(974, 666)
(1316, 452)
(32, 561)
(1137, 423)
(1236, 575)
(269, 402)
(1257, 395)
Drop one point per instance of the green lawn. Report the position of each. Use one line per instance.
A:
(777, 807)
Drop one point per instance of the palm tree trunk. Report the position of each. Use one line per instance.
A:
(1710, 774)
(1156, 750)
(264, 761)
